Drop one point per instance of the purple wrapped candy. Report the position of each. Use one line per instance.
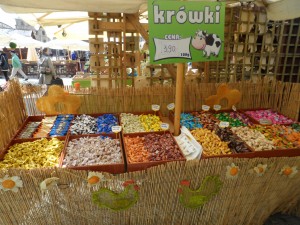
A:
(268, 114)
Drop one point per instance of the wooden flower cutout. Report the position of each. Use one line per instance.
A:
(10, 183)
(95, 178)
(260, 169)
(289, 171)
(232, 171)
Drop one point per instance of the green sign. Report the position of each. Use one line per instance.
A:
(181, 31)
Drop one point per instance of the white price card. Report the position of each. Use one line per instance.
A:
(265, 122)
(171, 106)
(233, 108)
(155, 107)
(164, 126)
(178, 48)
(205, 107)
(217, 107)
(223, 124)
(116, 129)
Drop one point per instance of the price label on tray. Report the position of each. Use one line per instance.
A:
(223, 124)
(116, 129)
(233, 108)
(164, 126)
(155, 107)
(205, 107)
(265, 122)
(171, 106)
(217, 107)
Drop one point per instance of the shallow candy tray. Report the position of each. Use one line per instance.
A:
(110, 168)
(27, 121)
(19, 141)
(257, 122)
(288, 152)
(158, 113)
(96, 115)
(171, 113)
(234, 154)
(144, 165)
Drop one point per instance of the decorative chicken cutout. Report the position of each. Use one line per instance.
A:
(210, 186)
(106, 198)
(56, 95)
(233, 96)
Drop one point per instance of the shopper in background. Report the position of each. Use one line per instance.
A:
(74, 55)
(46, 68)
(16, 66)
(4, 64)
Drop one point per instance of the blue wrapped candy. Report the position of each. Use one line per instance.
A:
(61, 125)
(105, 122)
(189, 121)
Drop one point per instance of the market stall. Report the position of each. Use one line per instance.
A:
(159, 194)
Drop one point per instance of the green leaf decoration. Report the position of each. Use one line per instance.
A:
(105, 198)
(192, 199)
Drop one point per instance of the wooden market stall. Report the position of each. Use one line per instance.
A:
(70, 201)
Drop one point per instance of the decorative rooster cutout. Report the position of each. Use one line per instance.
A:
(195, 199)
(233, 96)
(117, 201)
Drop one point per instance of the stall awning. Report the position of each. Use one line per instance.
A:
(109, 6)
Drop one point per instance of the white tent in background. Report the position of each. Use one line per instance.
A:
(4, 39)
(25, 42)
(32, 55)
(67, 44)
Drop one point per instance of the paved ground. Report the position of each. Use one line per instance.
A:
(67, 81)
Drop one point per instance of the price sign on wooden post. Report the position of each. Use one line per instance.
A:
(116, 130)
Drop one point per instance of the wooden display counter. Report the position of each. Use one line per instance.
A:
(215, 190)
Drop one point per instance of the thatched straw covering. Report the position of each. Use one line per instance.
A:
(249, 199)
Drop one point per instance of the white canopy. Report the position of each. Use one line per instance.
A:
(67, 44)
(276, 9)
(25, 42)
(22, 41)
(54, 13)
(4, 38)
(32, 55)
(109, 6)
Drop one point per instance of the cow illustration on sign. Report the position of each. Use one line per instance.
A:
(209, 43)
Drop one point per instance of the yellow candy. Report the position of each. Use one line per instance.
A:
(211, 143)
(150, 122)
(36, 154)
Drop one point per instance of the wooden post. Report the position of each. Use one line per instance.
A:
(178, 97)
(20, 51)
(206, 72)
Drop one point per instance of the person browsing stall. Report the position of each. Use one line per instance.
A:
(46, 68)
(4, 64)
(16, 66)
